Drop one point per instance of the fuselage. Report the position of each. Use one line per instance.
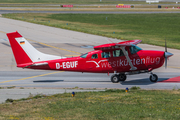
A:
(97, 61)
(123, 58)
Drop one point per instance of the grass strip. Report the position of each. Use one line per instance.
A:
(150, 28)
(111, 104)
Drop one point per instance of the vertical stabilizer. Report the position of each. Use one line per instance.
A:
(20, 55)
(24, 52)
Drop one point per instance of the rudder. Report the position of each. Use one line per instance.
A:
(25, 53)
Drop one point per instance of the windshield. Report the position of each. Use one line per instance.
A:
(84, 55)
(134, 49)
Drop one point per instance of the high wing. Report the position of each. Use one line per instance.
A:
(130, 42)
(120, 45)
(112, 45)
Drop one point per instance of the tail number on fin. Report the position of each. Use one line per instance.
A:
(64, 65)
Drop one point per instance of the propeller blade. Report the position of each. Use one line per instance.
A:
(165, 62)
(166, 54)
(165, 46)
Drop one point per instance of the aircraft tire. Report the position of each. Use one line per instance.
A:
(153, 78)
(122, 77)
(115, 78)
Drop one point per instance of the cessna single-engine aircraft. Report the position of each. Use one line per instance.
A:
(123, 58)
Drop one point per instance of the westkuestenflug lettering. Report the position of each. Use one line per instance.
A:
(121, 63)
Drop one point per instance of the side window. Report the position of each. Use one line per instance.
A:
(118, 53)
(126, 51)
(105, 54)
(94, 56)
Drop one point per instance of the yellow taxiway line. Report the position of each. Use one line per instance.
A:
(173, 67)
(49, 45)
(53, 46)
(31, 77)
(3, 32)
(71, 55)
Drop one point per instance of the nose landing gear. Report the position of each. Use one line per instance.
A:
(153, 77)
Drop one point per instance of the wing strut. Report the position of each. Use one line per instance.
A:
(128, 59)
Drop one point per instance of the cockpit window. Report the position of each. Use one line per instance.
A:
(134, 49)
(94, 56)
(118, 53)
(105, 54)
(84, 55)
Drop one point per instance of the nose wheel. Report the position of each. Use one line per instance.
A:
(116, 78)
(153, 77)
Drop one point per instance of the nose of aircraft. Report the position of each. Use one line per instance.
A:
(167, 54)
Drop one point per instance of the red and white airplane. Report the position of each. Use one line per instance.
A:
(123, 58)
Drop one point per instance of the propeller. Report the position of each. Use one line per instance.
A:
(165, 46)
(166, 54)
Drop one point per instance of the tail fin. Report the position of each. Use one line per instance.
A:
(24, 52)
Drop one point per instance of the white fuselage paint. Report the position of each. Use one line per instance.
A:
(121, 63)
(33, 53)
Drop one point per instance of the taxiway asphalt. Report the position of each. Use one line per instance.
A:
(70, 43)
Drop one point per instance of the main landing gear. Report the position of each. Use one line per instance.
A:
(115, 78)
(118, 77)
